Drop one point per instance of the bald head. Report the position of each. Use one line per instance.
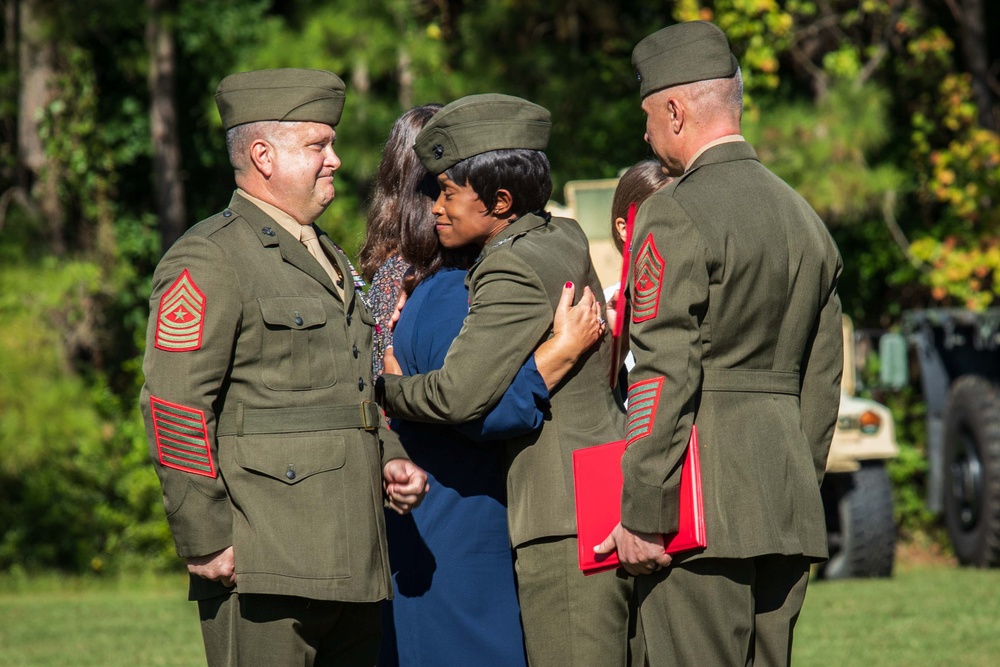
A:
(709, 104)
(682, 119)
(288, 164)
(716, 100)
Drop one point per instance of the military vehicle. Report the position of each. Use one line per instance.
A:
(857, 495)
(957, 355)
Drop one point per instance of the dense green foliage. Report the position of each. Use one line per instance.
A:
(867, 108)
(77, 489)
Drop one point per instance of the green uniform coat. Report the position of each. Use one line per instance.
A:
(281, 466)
(736, 327)
(514, 290)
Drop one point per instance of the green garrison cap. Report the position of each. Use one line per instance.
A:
(682, 53)
(479, 123)
(280, 94)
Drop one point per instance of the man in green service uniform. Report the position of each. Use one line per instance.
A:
(487, 151)
(736, 328)
(258, 398)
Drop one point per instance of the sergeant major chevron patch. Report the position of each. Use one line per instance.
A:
(180, 321)
(648, 274)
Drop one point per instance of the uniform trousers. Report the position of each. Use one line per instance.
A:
(258, 629)
(570, 618)
(722, 611)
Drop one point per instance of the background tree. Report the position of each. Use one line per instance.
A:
(37, 69)
(167, 178)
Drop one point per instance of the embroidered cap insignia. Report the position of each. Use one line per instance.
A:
(180, 321)
(643, 399)
(181, 438)
(648, 278)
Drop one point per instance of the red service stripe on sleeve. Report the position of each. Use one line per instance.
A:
(643, 399)
(648, 280)
(182, 438)
(180, 321)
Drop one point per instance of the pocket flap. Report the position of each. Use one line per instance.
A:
(366, 315)
(292, 312)
(291, 458)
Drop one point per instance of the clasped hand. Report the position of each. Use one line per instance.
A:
(638, 553)
(405, 485)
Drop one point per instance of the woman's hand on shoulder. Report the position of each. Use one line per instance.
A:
(575, 329)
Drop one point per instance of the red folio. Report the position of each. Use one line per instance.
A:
(597, 476)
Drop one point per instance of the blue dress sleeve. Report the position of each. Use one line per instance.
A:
(430, 321)
(521, 410)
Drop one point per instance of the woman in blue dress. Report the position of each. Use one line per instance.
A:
(455, 599)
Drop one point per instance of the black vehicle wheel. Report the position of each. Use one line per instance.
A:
(861, 529)
(972, 470)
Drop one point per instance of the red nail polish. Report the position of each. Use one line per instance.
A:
(568, 285)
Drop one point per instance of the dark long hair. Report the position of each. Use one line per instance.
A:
(401, 197)
(636, 185)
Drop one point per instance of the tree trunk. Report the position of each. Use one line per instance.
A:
(405, 79)
(10, 176)
(972, 30)
(167, 178)
(37, 68)
(8, 132)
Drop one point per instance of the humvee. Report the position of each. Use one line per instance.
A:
(957, 355)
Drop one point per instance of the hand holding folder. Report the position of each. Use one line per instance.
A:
(598, 483)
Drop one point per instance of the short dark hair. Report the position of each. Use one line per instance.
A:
(522, 172)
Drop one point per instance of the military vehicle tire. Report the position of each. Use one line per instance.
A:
(861, 529)
(972, 470)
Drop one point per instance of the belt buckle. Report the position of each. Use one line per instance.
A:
(366, 407)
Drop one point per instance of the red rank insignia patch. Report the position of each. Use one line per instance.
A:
(181, 438)
(181, 319)
(648, 278)
(643, 399)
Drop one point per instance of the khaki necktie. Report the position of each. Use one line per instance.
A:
(311, 242)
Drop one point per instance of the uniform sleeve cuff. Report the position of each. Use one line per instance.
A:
(206, 526)
(650, 509)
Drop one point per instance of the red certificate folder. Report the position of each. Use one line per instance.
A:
(597, 475)
(621, 309)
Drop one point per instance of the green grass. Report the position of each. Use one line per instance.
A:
(928, 616)
(144, 622)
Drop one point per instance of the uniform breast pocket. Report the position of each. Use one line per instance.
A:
(297, 349)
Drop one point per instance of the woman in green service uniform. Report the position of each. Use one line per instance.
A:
(487, 152)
